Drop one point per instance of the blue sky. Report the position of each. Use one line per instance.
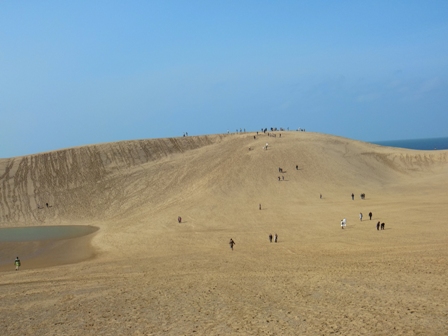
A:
(86, 72)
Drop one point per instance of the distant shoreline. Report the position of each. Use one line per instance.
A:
(418, 144)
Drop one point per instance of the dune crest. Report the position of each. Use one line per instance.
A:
(93, 182)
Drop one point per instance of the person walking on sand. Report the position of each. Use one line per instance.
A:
(360, 216)
(382, 226)
(270, 238)
(17, 263)
(343, 223)
(275, 238)
(378, 226)
(353, 196)
(231, 243)
(370, 215)
(259, 206)
(179, 219)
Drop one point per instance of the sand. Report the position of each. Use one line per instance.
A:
(150, 275)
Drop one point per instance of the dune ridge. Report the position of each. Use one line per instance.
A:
(84, 182)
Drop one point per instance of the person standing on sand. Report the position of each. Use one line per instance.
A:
(370, 215)
(353, 196)
(360, 216)
(275, 238)
(231, 243)
(378, 225)
(270, 238)
(382, 226)
(17, 263)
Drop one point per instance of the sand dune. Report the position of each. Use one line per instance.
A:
(151, 275)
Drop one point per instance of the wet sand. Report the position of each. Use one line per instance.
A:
(46, 253)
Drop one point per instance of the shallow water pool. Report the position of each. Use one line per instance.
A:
(33, 233)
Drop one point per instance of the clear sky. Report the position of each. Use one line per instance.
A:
(83, 72)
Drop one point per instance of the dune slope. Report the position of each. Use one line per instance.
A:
(152, 275)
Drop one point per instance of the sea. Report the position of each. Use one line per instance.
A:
(421, 144)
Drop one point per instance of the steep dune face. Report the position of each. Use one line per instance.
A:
(79, 183)
(116, 179)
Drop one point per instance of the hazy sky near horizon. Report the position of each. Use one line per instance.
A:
(85, 72)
